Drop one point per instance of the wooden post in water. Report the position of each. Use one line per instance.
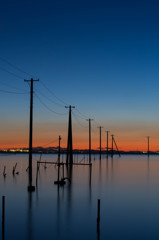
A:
(14, 168)
(3, 217)
(4, 171)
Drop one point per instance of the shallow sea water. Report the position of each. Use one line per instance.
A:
(128, 188)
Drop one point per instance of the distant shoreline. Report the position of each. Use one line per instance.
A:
(76, 151)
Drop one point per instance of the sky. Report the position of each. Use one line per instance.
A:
(100, 56)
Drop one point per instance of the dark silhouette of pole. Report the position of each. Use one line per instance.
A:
(30, 187)
(107, 141)
(59, 160)
(89, 138)
(112, 144)
(3, 217)
(69, 159)
(116, 146)
(59, 153)
(148, 151)
(100, 141)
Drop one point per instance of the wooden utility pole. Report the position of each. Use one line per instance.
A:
(107, 141)
(116, 146)
(148, 151)
(69, 159)
(112, 144)
(58, 177)
(89, 138)
(30, 187)
(100, 141)
(59, 149)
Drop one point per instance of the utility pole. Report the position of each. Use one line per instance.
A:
(148, 152)
(112, 143)
(69, 159)
(58, 177)
(89, 139)
(100, 141)
(116, 146)
(30, 187)
(59, 149)
(107, 141)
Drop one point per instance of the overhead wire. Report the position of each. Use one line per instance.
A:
(78, 120)
(48, 108)
(84, 116)
(10, 86)
(17, 68)
(59, 99)
(11, 73)
(49, 143)
(58, 104)
(80, 117)
(4, 91)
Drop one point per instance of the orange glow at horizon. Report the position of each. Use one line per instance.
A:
(128, 138)
(130, 145)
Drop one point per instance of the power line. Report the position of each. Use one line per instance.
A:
(96, 123)
(49, 143)
(53, 93)
(4, 91)
(10, 86)
(80, 117)
(84, 116)
(48, 107)
(78, 121)
(49, 99)
(15, 75)
(17, 68)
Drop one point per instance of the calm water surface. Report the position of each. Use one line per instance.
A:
(127, 186)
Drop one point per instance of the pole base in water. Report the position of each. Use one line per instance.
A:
(60, 182)
(31, 189)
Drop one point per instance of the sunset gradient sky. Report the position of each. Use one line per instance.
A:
(100, 56)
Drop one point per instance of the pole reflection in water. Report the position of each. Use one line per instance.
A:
(58, 210)
(90, 183)
(69, 170)
(30, 217)
(107, 170)
(112, 169)
(148, 169)
(100, 172)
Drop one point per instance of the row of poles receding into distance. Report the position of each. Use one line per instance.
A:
(69, 157)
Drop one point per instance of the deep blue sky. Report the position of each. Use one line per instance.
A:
(101, 56)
